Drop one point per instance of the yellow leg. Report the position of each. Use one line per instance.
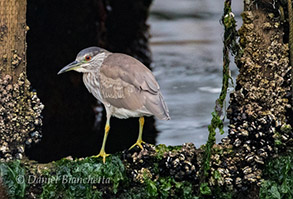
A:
(102, 153)
(139, 139)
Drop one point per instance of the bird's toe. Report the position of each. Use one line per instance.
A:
(102, 154)
(138, 143)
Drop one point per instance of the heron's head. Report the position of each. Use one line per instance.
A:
(87, 60)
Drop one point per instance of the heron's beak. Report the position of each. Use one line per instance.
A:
(72, 66)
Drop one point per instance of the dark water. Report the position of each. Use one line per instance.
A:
(187, 59)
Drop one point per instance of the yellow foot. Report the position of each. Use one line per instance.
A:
(102, 154)
(138, 143)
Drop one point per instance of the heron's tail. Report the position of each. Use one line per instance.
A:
(156, 105)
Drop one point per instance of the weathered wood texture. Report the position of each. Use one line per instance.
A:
(12, 37)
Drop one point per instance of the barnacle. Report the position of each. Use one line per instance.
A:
(257, 108)
(20, 117)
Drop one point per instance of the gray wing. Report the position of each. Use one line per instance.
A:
(127, 83)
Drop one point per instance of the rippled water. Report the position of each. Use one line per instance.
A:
(187, 59)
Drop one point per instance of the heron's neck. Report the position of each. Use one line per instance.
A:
(92, 82)
(91, 78)
(99, 59)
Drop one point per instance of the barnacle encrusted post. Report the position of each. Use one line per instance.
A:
(290, 17)
(258, 112)
(20, 108)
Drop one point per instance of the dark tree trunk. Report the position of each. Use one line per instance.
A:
(20, 109)
(12, 37)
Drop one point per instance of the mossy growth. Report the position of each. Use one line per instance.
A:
(12, 176)
(232, 47)
(90, 178)
(166, 187)
(83, 178)
(66, 178)
(278, 178)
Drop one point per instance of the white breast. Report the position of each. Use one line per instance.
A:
(92, 83)
(125, 113)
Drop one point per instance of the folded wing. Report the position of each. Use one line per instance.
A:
(127, 83)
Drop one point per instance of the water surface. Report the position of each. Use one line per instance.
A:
(187, 60)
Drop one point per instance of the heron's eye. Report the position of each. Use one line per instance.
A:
(87, 58)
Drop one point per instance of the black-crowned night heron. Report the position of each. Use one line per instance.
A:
(125, 86)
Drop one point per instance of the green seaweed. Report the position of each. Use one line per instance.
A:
(278, 183)
(278, 175)
(219, 193)
(205, 189)
(13, 177)
(83, 178)
(166, 187)
(136, 192)
(64, 179)
(230, 46)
